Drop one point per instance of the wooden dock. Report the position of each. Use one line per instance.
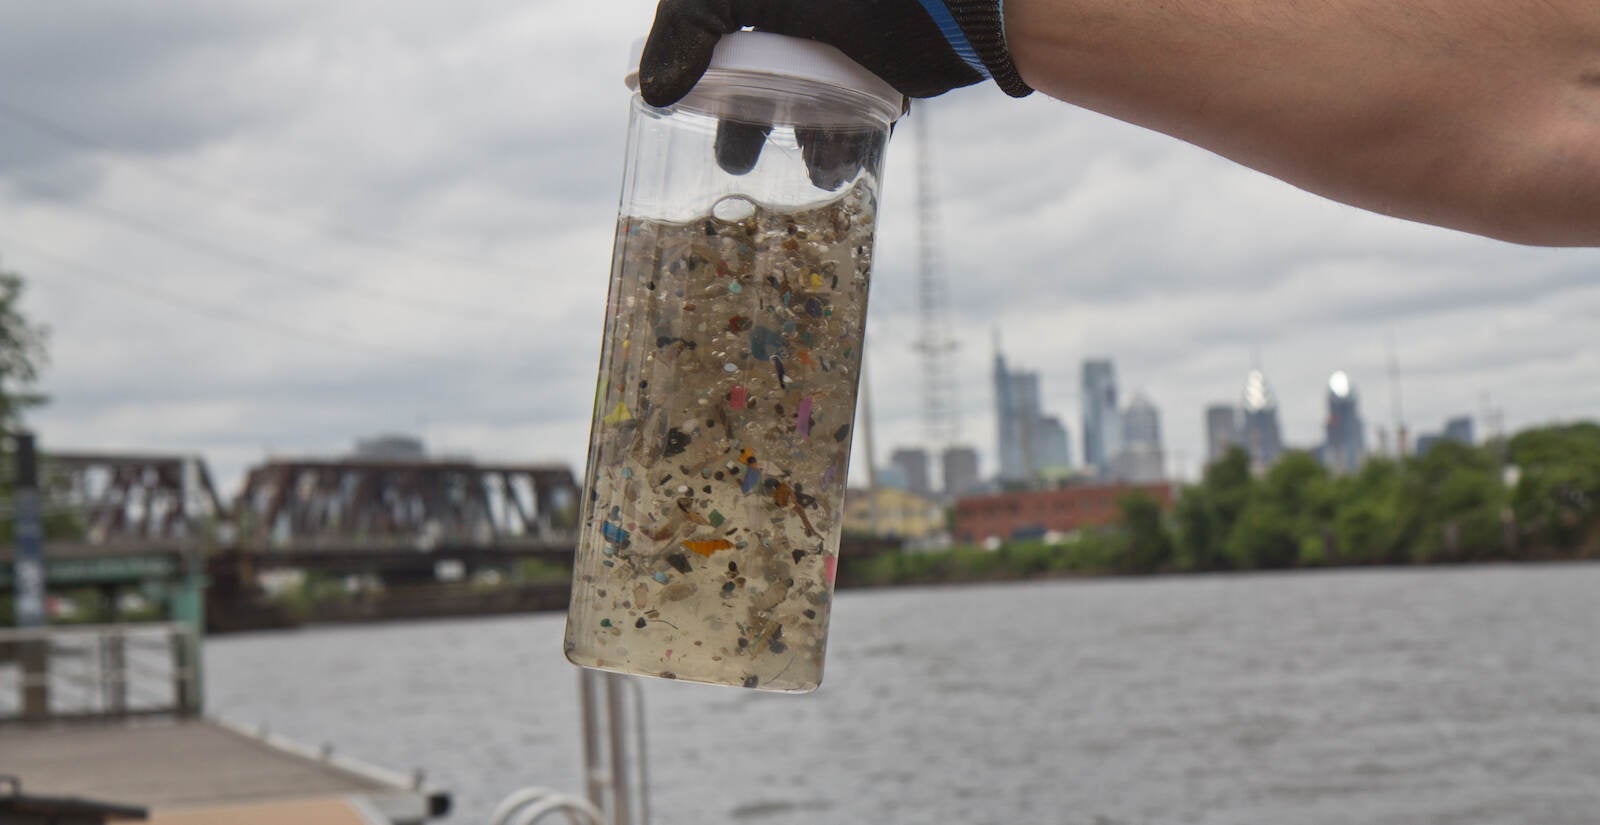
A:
(191, 771)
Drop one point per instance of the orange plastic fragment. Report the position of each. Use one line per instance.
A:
(706, 548)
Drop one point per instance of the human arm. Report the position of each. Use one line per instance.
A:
(1479, 115)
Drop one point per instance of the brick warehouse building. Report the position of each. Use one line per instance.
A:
(1007, 515)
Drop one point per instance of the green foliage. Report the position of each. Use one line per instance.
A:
(1148, 544)
(1369, 522)
(1207, 513)
(1557, 497)
(22, 353)
(1459, 498)
(1095, 552)
(1284, 513)
(539, 570)
(1449, 506)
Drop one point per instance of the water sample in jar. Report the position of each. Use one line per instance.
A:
(713, 497)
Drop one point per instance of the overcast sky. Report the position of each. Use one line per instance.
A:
(270, 228)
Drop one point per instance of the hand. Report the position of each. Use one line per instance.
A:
(898, 40)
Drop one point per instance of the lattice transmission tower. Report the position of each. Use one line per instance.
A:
(941, 415)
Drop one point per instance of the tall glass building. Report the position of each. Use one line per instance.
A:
(960, 471)
(1345, 448)
(1029, 442)
(1102, 418)
(1222, 431)
(1261, 436)
(912, 464)
(1141, 459)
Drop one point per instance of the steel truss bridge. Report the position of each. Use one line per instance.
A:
(141, 520)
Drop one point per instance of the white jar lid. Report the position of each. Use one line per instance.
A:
(755, 52)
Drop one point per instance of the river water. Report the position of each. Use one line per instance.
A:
(1437, 696)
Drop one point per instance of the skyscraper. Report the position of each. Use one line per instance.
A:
(1460, 429)
(912, 465)
(1141, 459)
(960, 471)
(1261, 436)
(1101, 415)
(1051, 450)
(1222, 430)
(1029, 441)
(1346, 445)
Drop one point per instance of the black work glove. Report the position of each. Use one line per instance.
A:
(921, 47)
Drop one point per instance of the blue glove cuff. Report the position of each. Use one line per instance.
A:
(976, 34)
(955, 36)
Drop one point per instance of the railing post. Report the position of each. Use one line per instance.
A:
(189, 607)
(31, 587)
(185, 670)
(114, 671)
(35, 657)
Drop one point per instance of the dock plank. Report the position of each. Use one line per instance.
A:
(298, 812)
(165, 764)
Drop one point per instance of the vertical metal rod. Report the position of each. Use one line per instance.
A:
(616, 711)
(641, 755)
(30, 577)
(594, 779)
(192, 600)
(114, 671)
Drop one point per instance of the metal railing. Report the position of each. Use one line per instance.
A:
(615, 768)
(99, 672)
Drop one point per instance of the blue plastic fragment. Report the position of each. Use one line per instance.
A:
(614, 534)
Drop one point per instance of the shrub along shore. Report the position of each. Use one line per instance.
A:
(1532, 497)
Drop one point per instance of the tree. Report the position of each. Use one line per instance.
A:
(22, 353)
(1557, 499)
(1287, 511)
(1149, 545)
(1371, 522)
(1208, 511)
(1458, 498)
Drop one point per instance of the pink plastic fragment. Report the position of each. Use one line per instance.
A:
(802, 419)
(830, 567)
(737, 398)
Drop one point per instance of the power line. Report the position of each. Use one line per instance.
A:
(392, 245)
(217, 312)
(149, 228)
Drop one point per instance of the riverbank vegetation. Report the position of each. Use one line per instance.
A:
(1533, 497)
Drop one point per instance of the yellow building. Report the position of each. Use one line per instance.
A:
(888, 511)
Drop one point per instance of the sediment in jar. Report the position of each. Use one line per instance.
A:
(720, 444)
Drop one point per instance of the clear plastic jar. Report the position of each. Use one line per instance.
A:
(713, 499)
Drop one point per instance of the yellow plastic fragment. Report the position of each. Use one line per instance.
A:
(618, 415)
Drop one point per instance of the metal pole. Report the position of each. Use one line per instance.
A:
(30, 579)
(594, 778)
(616, 711)
(189, 606)
(114, 671)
